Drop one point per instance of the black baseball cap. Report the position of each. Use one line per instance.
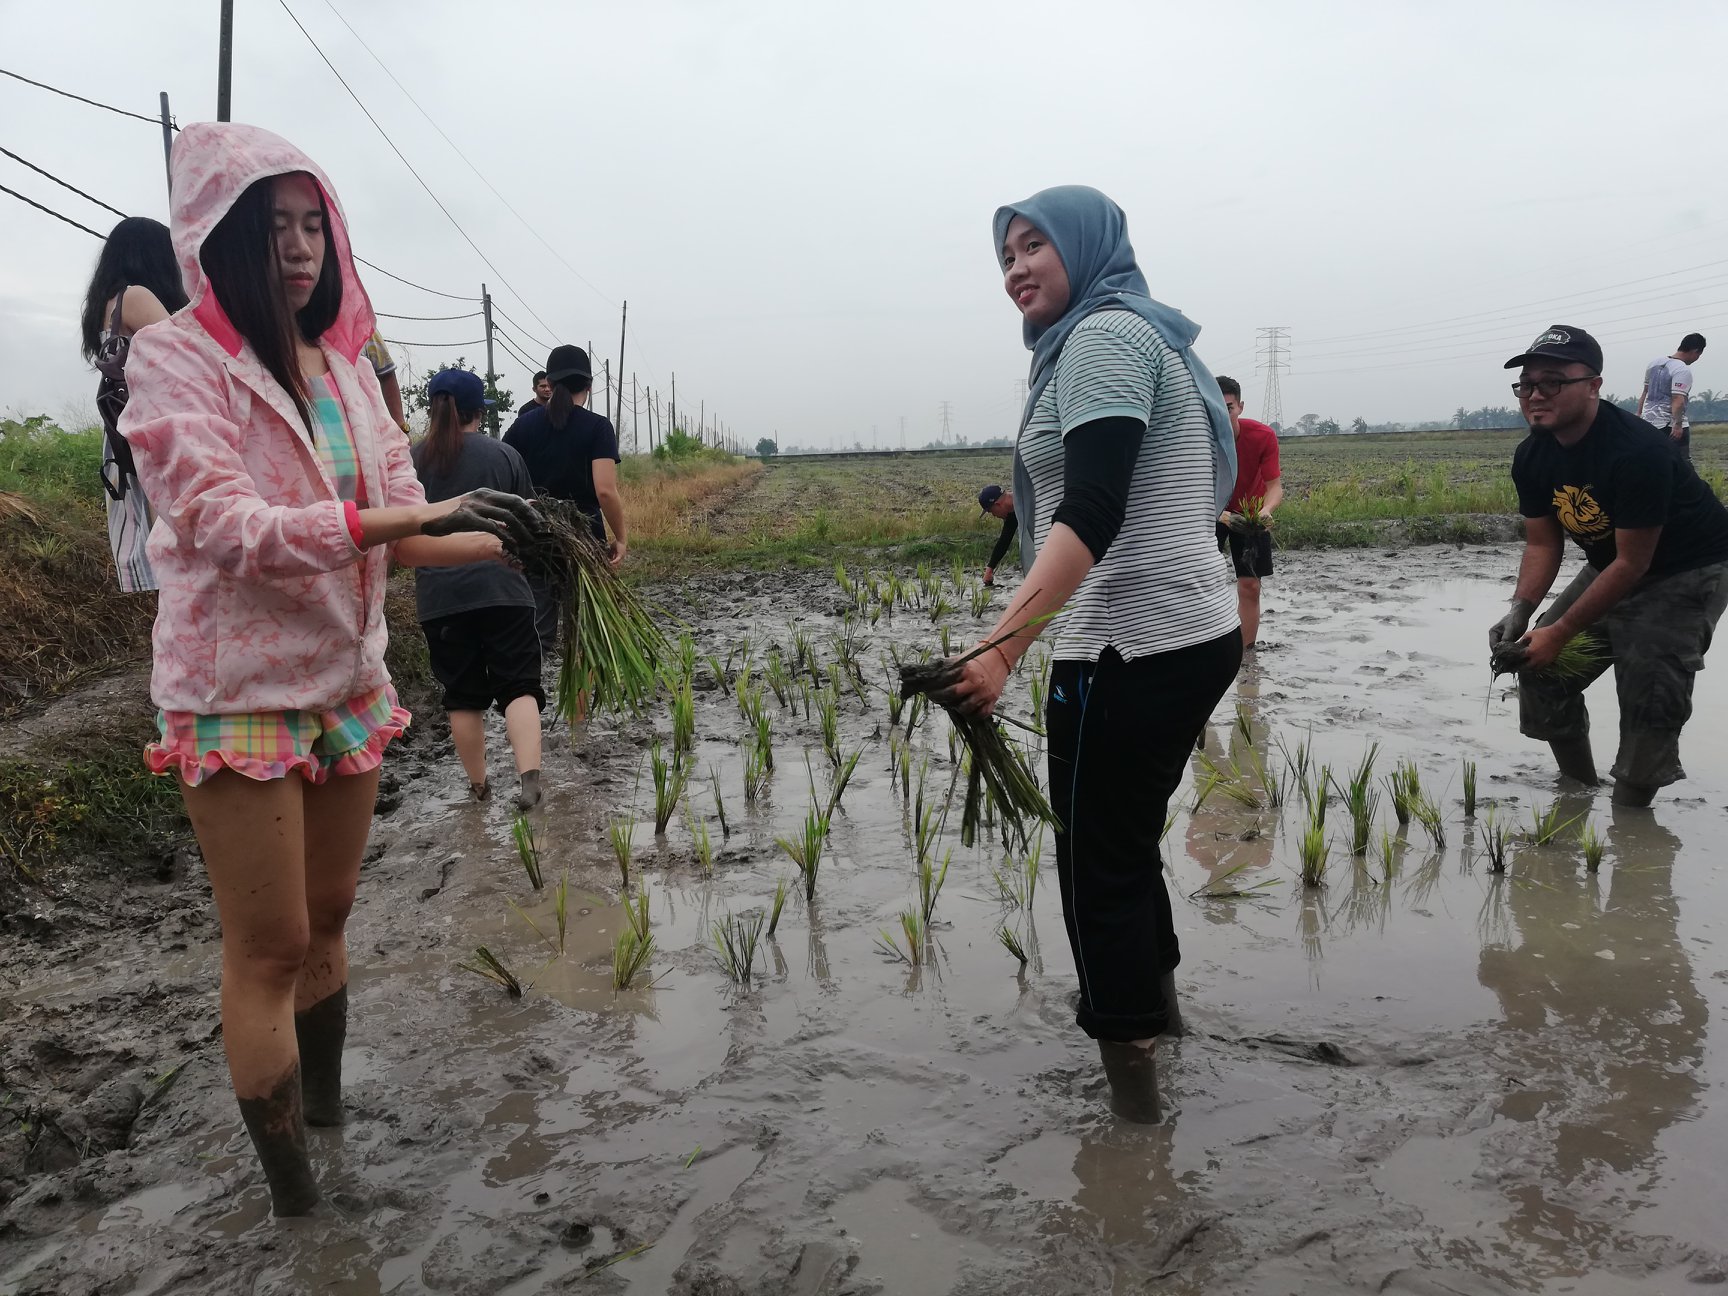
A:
(1564, 343)
(988, 496)
(567, 362)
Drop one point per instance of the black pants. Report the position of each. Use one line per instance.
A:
(485, 657)
(1121, 734)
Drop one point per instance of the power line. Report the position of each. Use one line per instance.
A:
(56, 215)
(385, 135)
(500, 310)
(424, 319)
(433, 346)
(476, 170)
(63, 184)
(154, 121)
(500, 331)
(422, 287)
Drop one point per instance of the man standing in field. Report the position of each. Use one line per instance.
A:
(1655, 580)
(542, 394)
(1667, 388)
(999, 503)
(1258, 487)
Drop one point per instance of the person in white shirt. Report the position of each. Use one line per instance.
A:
(1667, 387)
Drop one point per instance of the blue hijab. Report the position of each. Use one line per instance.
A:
(1090, 234)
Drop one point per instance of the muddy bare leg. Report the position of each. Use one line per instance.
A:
(278, 1132)
(322, 1030)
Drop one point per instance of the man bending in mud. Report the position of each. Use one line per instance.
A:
(999, 503)
(1655, 579)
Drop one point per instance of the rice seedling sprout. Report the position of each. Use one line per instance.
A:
(527, 850)
(778, 905)
(630, 954)
(622, 832)
(1592, 843)
(1469, 788)
(735, 939)
(805, 849)
(484, 963)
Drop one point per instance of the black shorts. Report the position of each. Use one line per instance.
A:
(1261, 562)
(486, 657)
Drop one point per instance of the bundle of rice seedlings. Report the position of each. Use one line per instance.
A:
(1547, 824)
(828, 717)
(630, 954)
(1581, 657)
(778, 680)
(1496, 840)
(670, 779)
(719, 804)
(917, 938)
(896, 704)
(1404, 784)
(930, 882)
(686, 656)
(777, 906)
(1469, 788)
(527, 850)
(622, 832)
(1361, 800)
(765, 740)
(845, 582)
(1388, 854)
(927, 831)
(1244, 725)
(1254, 520)
(1226, 887)
(735, 940)
(1591, 842)
(613, 646)
(1432, 818)
(561, 907)
(980, 599)
(1012, 944)
(806, 848)
(997, 769)
(1229, 781)
(939, 608)
(1314, 850)
(683, 716)
(636, 911)
(803, 655)
(484, 963)
(718, 671)
(757, 774)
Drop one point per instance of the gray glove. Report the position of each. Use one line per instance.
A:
(509, 517)
(1504, 634)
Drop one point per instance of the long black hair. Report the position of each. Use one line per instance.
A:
(138, 251)
(240, 258)
(446, 426)
(563, 400)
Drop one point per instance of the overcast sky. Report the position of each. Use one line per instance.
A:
(795, 197)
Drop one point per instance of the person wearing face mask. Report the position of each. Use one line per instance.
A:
(1124, 461)
(284, 489)
(1654, 581)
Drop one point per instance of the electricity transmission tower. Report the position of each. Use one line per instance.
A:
(1272, 347)
(944, 436)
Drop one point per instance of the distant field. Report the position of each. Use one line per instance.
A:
(1345, 490)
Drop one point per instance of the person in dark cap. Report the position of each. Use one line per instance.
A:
(572, 454)
(1654, 582)
(999, 503)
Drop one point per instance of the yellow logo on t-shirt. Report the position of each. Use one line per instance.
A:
(1580, 514)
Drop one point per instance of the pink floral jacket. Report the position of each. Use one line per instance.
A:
(266, 603)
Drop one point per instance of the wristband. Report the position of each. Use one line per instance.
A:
(351, 518)
(1007, 665)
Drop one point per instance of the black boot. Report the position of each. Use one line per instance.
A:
(1173, 1023)
(1575, 759)
(1133, 1076)
(1634, 795)
(322, 1030)
(278, 1129)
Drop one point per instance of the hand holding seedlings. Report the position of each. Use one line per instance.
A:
(973, 683)
(509, 517)
(1509, 629)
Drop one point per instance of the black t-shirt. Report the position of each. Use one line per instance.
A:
(561, 462)
(444, 591)
(1624, 474)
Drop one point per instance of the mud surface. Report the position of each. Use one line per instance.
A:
(1445, 1081)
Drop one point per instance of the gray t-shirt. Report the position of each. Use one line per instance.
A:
(1665, 379)
(445, 591)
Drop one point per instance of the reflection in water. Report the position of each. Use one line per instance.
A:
(1606, 1028)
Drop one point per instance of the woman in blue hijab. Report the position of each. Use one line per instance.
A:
(1124, 460)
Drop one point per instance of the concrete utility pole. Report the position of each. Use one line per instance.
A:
(225, 64)
(167, 144)
(1270, 357)
(491, 378)
(902, 431)
(623, 322)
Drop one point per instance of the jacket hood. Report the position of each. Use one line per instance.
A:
(213, 164)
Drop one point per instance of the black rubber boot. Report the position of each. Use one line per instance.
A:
(1634, 795)
(1133, 1075)
(278, 1129)
(1173, 1023)
(1575, 760)
(322, 1030)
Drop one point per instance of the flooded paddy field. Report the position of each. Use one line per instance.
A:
(1421, 1077)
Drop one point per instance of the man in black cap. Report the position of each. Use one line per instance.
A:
(999, 503)
(1655, 579)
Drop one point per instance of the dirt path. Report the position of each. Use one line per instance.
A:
(1435, 1081)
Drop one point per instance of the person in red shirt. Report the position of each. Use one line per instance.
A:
(1256, 478)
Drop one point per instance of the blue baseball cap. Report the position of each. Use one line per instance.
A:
(465, 387)
(988, 496)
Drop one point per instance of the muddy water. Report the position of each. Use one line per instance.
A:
(1441, 1081)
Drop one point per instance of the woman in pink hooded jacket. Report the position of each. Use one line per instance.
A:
(283, 489)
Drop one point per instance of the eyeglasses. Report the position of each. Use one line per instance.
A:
(1549, 387)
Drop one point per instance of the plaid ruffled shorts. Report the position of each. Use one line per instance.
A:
(270, 744)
